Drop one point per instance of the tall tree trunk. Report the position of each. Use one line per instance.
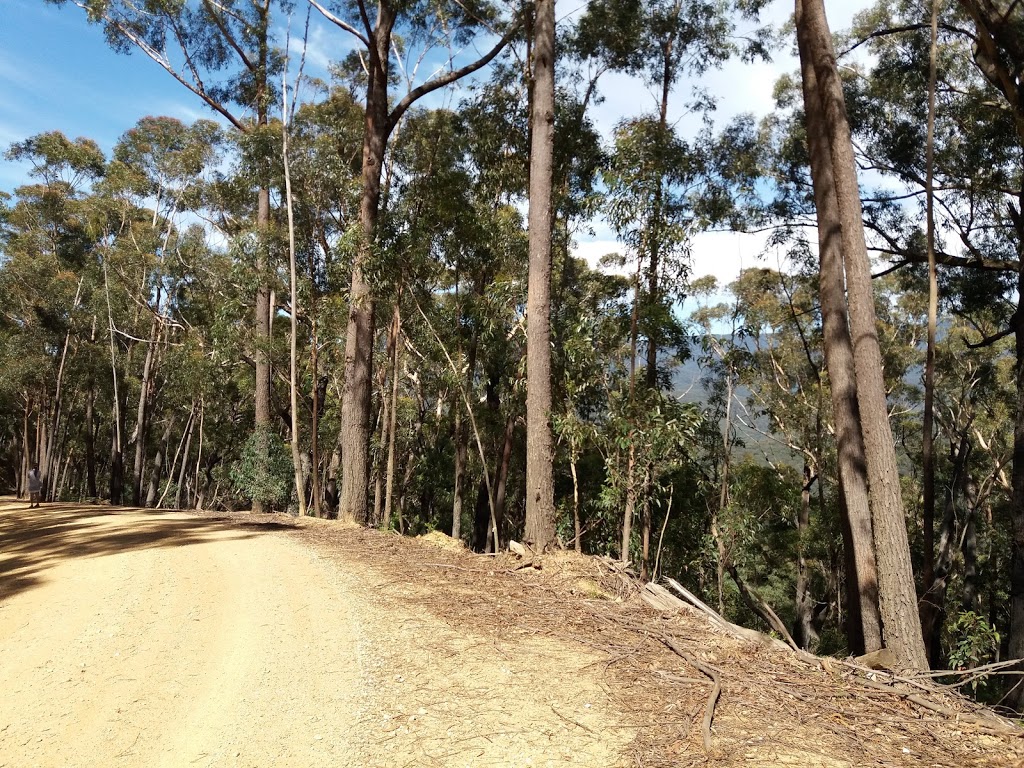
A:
(861, 572)
(261, 353)
(355, 406)
(901, 625)
(393, 415)
(928, 436)
(540, 505)
(116, 442)
(654, 244)
(46, 459)
(314, 432)
(293, 288)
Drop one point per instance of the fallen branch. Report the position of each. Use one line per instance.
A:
(761, 608)
(716, 690)
(661, 599)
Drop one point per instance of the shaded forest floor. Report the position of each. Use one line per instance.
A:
(134, 637)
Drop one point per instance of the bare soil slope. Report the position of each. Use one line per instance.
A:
(134, 637)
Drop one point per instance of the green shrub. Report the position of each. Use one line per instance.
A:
(264, 471)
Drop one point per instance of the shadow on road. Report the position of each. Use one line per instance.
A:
(34, 540)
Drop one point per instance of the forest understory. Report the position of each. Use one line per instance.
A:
(150, 637)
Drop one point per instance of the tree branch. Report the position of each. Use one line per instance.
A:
(988, 341)
(340, 23)
(452, 76)
(898, 31)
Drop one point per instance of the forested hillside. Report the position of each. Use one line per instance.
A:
(359, 297)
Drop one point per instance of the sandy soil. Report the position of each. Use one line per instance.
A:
(138, 638)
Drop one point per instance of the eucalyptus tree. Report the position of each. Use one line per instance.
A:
(978, 182)
(660, 42)
(897, 598)
(159, 163)
(48, 253)
(324, 147)
(225, 54)
(444, 23)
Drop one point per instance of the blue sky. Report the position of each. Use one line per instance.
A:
(58, 73)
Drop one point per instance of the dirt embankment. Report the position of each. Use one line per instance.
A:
(139, 638)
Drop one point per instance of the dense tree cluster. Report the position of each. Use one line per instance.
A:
(337, 305)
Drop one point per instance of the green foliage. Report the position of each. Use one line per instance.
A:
(972, 642)
(263, 472)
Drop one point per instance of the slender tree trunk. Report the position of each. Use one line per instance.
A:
(141, 422)
(803, 627)
(194, 502)
(45, 461)
(117, 443)
(928, 437)
(293, 357)
(933, 602)
(393, 421)
(315, 427)
(462, 445)
(577, 543)
(645, 530)
(61, 484)
(501, 483)
(185, 435)
(540, 505)
(26, 449)
(654, 243)
(969, 599)
(630, 508)
(158, 464)
(183, 471)
(861, 572)
(901, 624)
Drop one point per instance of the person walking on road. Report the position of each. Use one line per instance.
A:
(35, 486)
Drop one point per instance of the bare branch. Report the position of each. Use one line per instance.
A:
(341, 23)
(452, 76)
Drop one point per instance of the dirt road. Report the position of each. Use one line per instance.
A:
(141, 638)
